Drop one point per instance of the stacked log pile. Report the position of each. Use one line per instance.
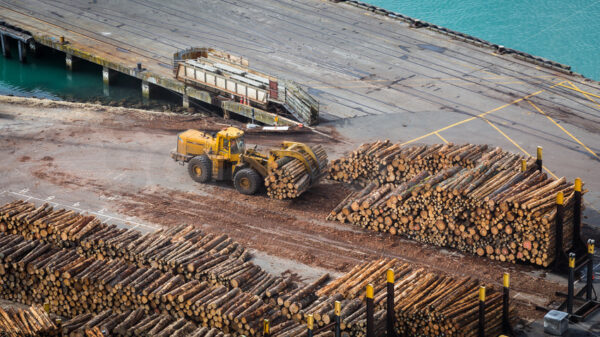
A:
(426, 304)
(133, 284)
(37, 272)
(492, 209)
(181, 250)
(30, 321)
(382, 162)
(135, 323)
(288, 177)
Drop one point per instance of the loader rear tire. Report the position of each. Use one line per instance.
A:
(247, 181)
(200, 169)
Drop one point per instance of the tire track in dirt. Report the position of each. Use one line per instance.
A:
(295, 230)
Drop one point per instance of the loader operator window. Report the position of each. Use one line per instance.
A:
(237, 145)
(225, 145)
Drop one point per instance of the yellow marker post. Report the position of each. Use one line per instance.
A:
(571, 290)
(560, 198)
(370, 311)
(481, 325)
(337, 310)
(559, 257)
(538, 161)
(523, 165)
(390, 276)
(390, 314)
(590, 270)
(266, 329)
(506, 328)
(47, 307)
(577, 244)
(310, 323)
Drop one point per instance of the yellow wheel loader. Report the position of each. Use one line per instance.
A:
(223, 156)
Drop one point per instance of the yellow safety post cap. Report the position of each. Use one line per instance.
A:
(591, 243)
(506, 280)
(539, 152)
(390, 276)
(369, 290)
(310, 321)
(266, 326)
(338, 308)
(560, 198)
(482, 293)
(523, 165)
(47, 307)
(571, 260)
(578, 184)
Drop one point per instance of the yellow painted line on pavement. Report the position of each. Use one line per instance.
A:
(480, 115)
(516, 144)
(442, 138)
(563, 129)
(474, 117)
(579, 90)
(584, 94)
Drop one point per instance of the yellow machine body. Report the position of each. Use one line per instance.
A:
(227, 153)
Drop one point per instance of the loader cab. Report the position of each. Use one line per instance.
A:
(229, 144)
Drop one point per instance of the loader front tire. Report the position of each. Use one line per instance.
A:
(200, 169)
(247, 181)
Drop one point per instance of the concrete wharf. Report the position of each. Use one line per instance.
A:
(375, 76)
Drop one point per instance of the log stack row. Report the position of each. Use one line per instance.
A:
(288, 177)
(492, 209)
(132, 323)
(183, 250)
(426, 304)
(135, 323)
(382, 162)
(37, 272)
(27, 322)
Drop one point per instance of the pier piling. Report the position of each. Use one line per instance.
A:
(69, 61)
(22, 51)
(5, 45)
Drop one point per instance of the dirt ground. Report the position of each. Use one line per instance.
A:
(114, 162)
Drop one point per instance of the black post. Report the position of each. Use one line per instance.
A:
(310, 323)
(370, 312)
(590, 271)
(558, 249)
(506, 328)
(577, 242)
(266, 328)
(481, 326)
(538, 161)
(571, 292)
(338, 321)
(22, 47)
(5, 45)
(390, 304)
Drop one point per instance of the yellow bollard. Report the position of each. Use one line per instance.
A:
(560, 198)
(266, 329)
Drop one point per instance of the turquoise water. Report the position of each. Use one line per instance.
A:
(46, 76)
(567, 32)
